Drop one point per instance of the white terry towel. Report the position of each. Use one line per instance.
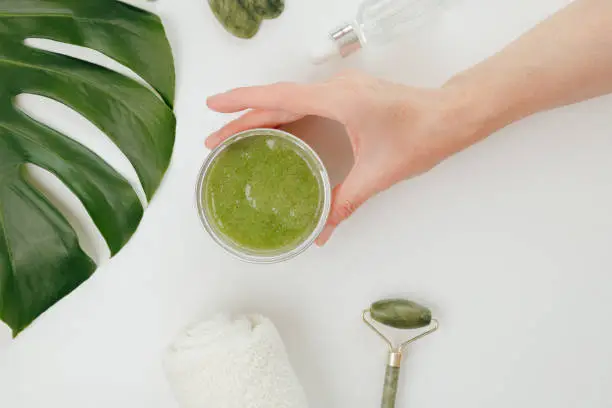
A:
(233, 363)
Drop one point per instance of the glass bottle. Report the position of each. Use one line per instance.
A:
(377, 22)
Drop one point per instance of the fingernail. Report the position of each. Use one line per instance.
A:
(215, 96)
(211, 99)
(209, 140)
(325, 235)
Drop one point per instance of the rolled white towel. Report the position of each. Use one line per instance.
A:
(233, 363)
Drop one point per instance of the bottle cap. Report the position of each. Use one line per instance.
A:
(340, 43)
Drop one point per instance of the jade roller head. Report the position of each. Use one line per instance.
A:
(404, 315)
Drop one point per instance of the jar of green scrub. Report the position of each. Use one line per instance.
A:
(264, 195)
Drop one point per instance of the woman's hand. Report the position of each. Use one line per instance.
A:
(396, 131)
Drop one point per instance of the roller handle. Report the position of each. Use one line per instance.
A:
(390, 388)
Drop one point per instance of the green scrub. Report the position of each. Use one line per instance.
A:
(262, 194)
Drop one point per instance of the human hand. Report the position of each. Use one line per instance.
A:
(396, 131)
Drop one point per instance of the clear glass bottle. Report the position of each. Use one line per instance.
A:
(377, 22)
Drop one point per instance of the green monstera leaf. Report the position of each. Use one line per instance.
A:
(243, 18)
(41, 260)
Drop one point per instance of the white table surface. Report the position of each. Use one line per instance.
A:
(509, 242)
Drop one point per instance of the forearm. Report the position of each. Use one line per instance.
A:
(565, 59)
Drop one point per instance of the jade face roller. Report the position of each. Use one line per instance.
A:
(399, 314)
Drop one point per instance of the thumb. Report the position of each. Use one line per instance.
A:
(346, 199)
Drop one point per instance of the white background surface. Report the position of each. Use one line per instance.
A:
(509, 242)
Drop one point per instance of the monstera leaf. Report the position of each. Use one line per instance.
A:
(243, 18)
(41, 260)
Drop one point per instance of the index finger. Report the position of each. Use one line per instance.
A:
(303, 99)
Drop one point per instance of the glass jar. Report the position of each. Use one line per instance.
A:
(313, 161)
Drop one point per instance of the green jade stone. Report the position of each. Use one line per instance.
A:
(243, 18)
(262, 194)
(400, 314)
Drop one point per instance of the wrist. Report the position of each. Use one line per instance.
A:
(484, 108)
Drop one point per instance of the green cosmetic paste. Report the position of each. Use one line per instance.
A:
(262, 194)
